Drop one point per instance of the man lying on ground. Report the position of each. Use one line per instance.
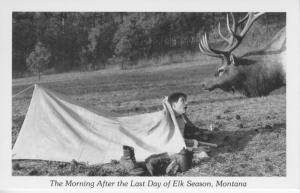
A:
(161, 164)
(179, 104)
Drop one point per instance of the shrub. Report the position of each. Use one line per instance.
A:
(38, 59)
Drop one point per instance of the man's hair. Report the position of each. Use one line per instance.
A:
(174, 97)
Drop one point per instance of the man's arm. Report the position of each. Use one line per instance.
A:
(190, 124)
(191, 131)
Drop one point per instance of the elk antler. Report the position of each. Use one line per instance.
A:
(236, 32)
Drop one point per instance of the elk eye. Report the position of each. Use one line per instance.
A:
(221, 70)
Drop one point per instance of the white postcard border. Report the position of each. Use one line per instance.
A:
(290, 183)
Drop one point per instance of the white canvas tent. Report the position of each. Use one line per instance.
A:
(56, 128)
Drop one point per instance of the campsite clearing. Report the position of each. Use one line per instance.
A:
(251, 131)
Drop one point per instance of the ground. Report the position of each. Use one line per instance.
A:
(251, 132)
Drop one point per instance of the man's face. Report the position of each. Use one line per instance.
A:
(180, 106)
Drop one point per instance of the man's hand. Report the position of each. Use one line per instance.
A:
(191, 143)
(164, 98)
(196, 143)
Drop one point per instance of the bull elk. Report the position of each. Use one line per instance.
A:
(254, 74)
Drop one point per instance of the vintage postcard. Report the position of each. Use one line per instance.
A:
(150, 95)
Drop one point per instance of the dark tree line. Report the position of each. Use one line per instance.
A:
(62, 41)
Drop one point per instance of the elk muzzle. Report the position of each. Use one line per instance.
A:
(209, 85)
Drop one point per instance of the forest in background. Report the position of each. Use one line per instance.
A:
(54, 42)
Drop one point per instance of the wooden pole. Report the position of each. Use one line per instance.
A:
(208, 144)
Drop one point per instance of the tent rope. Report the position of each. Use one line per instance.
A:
(22, 91)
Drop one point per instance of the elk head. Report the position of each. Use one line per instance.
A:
(234, 72)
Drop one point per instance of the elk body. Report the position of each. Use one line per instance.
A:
(255, 73)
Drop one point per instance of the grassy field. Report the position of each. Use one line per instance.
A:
(251, 131)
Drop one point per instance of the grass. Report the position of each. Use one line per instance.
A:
(253, 145)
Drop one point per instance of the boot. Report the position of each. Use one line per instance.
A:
(128, 158)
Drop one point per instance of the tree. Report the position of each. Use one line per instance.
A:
(131, 40)
(80, 39)
(23, 39)
(100, 37)
(38, 59)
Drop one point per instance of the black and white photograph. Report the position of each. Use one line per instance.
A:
(137, 95)
(213, 69)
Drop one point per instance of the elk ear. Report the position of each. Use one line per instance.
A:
(232, 59)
